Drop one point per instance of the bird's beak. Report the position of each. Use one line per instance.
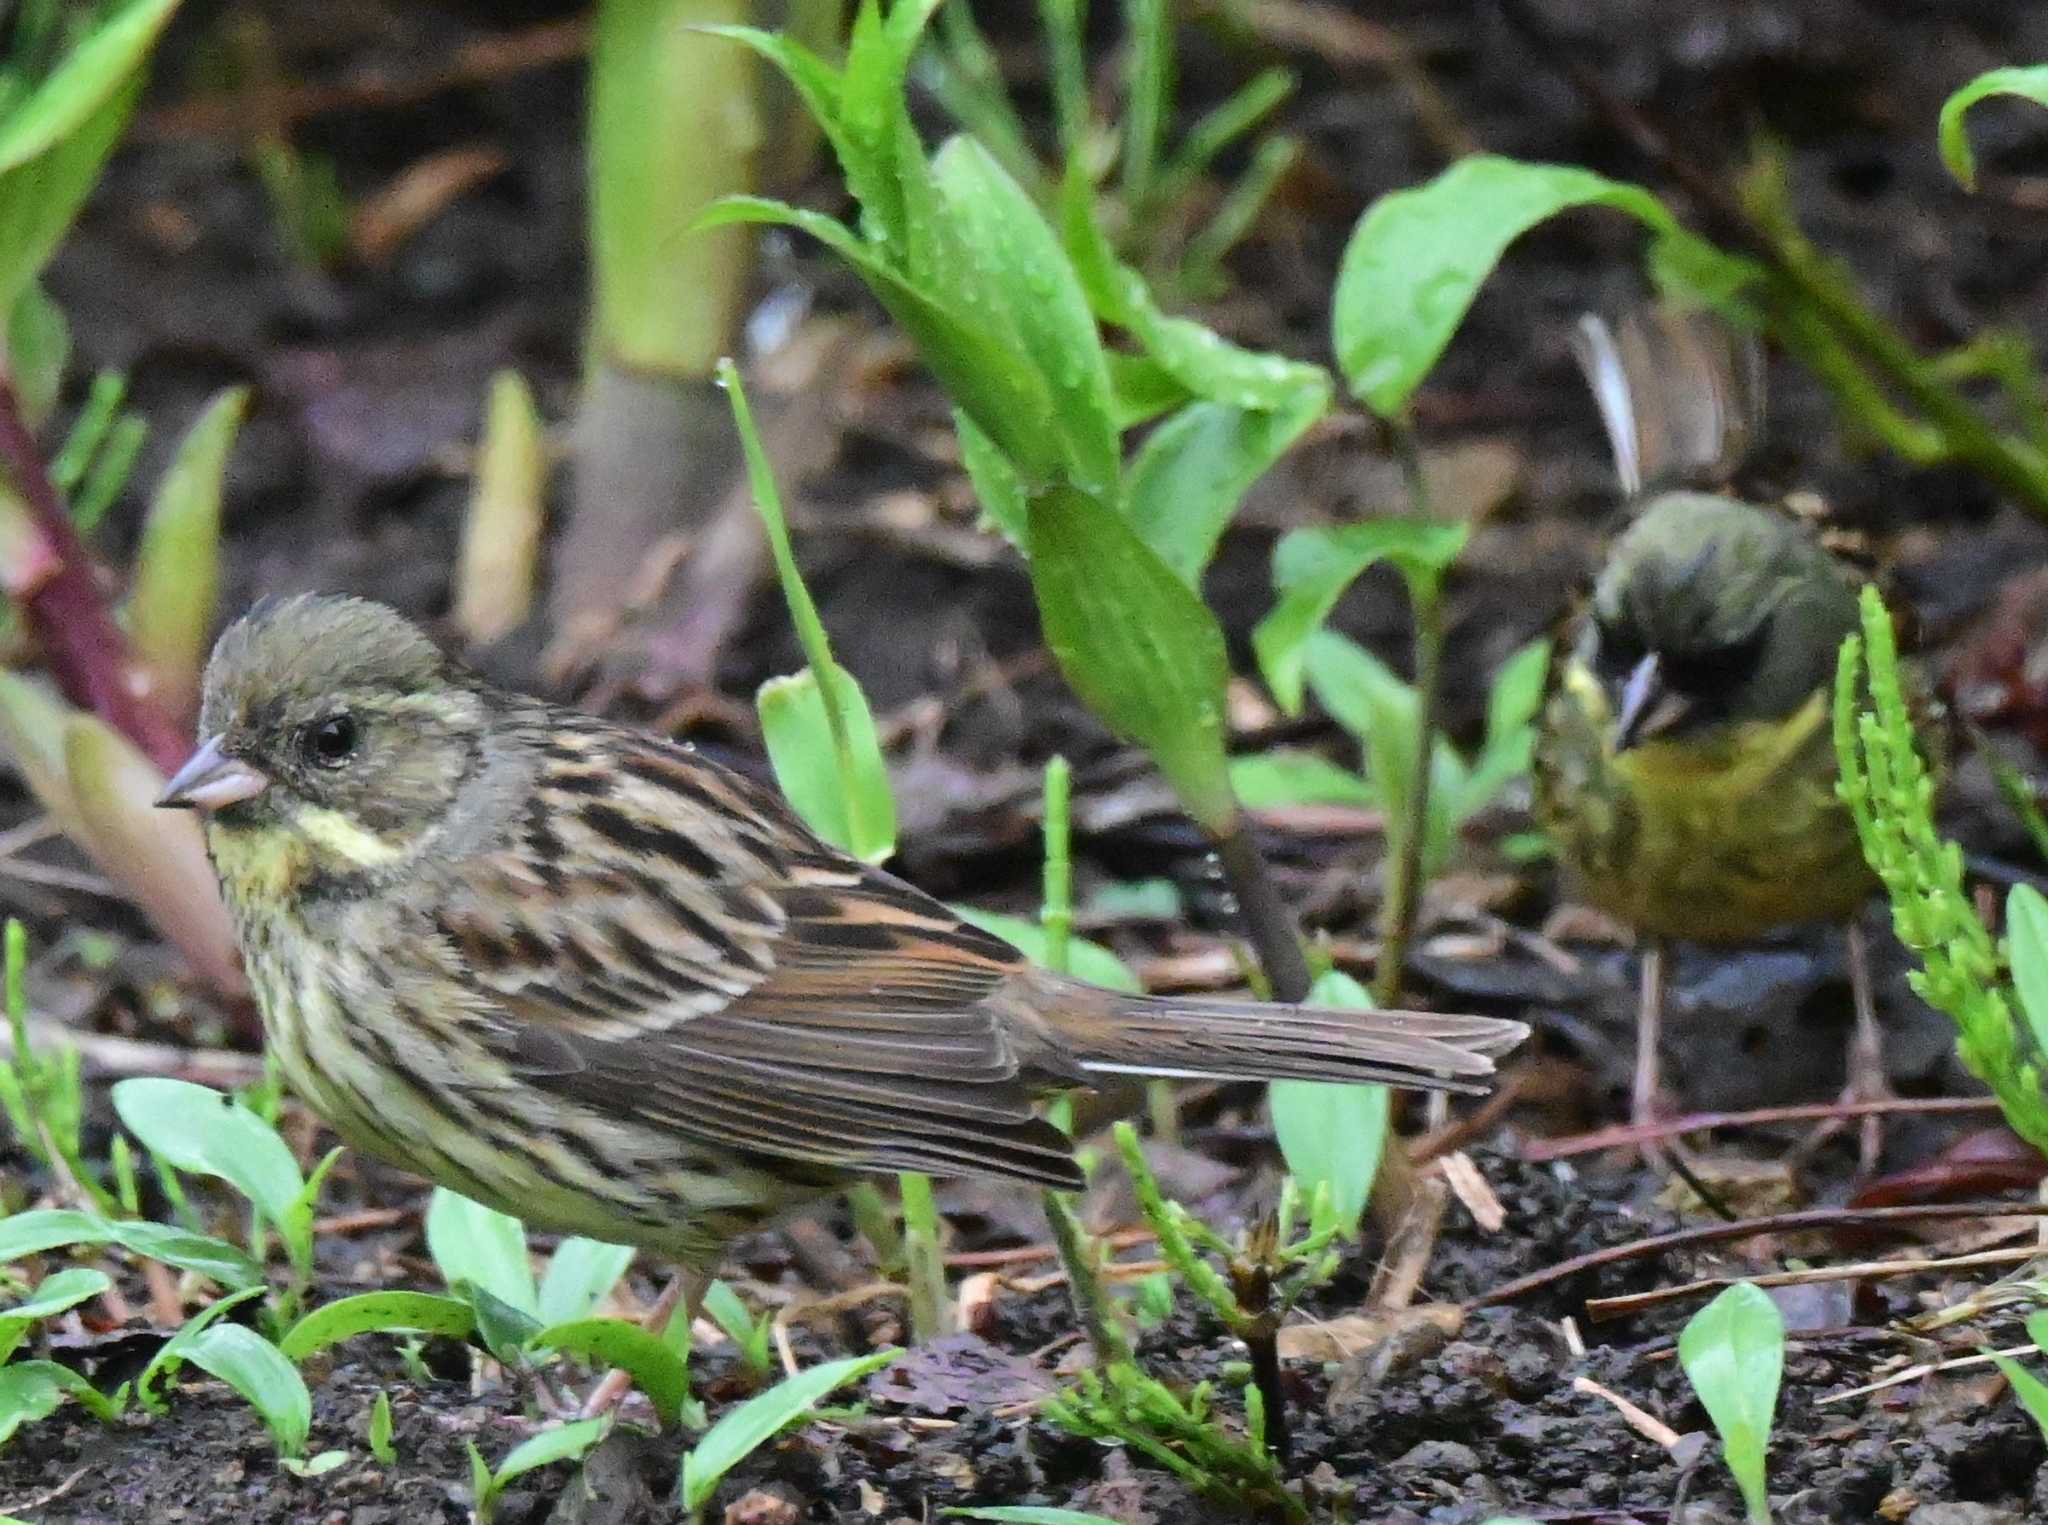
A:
(210, 780)
(1648, 707)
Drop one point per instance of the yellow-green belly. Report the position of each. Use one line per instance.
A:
(1717, 838)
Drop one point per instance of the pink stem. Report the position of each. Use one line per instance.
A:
(59, 597)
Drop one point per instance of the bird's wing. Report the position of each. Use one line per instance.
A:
(664, 941)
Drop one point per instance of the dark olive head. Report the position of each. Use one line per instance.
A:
(1712, 611)
(334, 718)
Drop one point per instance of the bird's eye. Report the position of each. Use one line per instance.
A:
(329, 743)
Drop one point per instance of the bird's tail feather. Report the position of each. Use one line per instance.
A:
(1201, 1039)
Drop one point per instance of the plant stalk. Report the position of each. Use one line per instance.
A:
(1275, 937)
(926, 1264)
(1403, 897)
(50, 577)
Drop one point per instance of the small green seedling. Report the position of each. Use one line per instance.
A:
(1733, 1352)
(755, 1337)
(377, 1435)
(743, 1430)
(1332, 1136)
(1890, 793)
(567, 1443)
(247, 1362)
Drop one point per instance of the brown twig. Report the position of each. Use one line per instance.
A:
(1631, 1134)
(1601, 1309)
(1813, 1220)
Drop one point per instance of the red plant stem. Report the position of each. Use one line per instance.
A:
(55, 588)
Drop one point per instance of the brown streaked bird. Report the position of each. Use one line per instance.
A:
(585, 976)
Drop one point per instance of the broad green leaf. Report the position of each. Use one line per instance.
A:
(2026, 925)
(1733, 1352)
(256, 1369)
(1313, 567)
(2030, 82)
(378, 1313)
(1210, 366)
(1193, 471)
(31, 1390)
(500, 1327)
(807, 766)
(1268, 780)
(484, 1247)
(229, 1264)
(656, 1370)
(982, 371)
(57, 1292)
(1143, 389)
(1139, 647)
(49, 1228)
(39, 199)
(580, 1275)
(1085, 960)
(1517, 692)
(761, 1418)
(83, 81)
(1417, 258)
(171, 1354)
(550, 1446)
(1332, 1135)
(1027, 283)
(203, 1132)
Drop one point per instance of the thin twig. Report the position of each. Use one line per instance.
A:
(1632, 1134)
(1604, 1308)
(1818, 1219)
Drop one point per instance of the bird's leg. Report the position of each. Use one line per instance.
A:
(1867, 1079)
(1644, 1101)
(682, 1298)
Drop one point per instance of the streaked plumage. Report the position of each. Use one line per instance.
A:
(586, 976)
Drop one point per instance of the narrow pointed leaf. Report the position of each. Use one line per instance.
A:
(740, 1431)
(851, 807)
(2030, 82)
(177, 565)
(499, 563)
(378, 1313)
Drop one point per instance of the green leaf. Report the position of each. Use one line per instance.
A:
(177, 565)
(228, 1264)
(378, 1435)
(378, 1313)
(580, 1275)
(484, 1247)
(1333, 1135)
(38, 346)
(204, 1132)
(1268, 780)
(57, 1292)
(82, 81)
(740, 1431)
(723, 1306)
(1194, 469)
(981, 370)
(31, 1390)
(38, 200)
(1313, 567)
(256, 1369)
(503, 1329)
(49, 1228)
(550, 1446)
(1139, 647)
(656, 1370)
(800, 747)
(1417, 258)
(1028, 284)
(171, 1354)
(2026, 925)
(1086, 960)
(996, 484)
(2029, 82)
(1733, 1352)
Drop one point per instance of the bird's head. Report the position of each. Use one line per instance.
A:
(333, 729)
(1712, 611)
